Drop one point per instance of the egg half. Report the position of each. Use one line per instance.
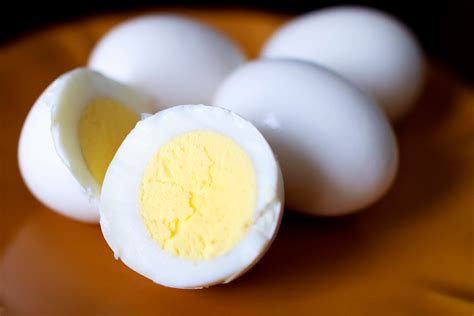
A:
(192, 198)
(174, 59)
(367, 46)
(336, 148)
(70, 136)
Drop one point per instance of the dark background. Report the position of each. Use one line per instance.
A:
(445, 28)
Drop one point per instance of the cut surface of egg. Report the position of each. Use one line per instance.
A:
(369, 47)
(336, 148)
(174, 59)
(192, 198)
(71, 135)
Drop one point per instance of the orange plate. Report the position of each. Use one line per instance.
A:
(411, 254)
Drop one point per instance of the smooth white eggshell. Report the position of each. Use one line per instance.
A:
(369, 47)
(336, 148)
(174, 59)
(123, 227)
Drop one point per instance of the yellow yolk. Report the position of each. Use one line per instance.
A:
(102, 128)
(198, 195)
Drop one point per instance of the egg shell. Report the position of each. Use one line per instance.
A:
(123, 227)
(174, 59)
(369, 47)
(336, 148)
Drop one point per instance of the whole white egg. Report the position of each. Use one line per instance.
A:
(192, 198)
(369, 47)
(50, 150)
(336, 148)
(174, 59)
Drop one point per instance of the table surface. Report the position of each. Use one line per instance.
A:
(410, 254)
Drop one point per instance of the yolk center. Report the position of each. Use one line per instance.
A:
(198, 195)
(103, 126)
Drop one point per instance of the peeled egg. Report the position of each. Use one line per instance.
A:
(336, 148)
(369, 47)
(69, 137)
(174, 59)
(192, 198)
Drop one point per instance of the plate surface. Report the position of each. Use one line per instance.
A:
(410, 254)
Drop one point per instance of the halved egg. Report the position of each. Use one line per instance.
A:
(192, 198)
(70, 137)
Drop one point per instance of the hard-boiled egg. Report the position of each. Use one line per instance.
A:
(371, 48)
(71, 135)
(192, 198)
(336, 148)
(174, 59)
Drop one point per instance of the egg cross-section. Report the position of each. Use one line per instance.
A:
(192, 198)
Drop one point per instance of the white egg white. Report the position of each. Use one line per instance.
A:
(48, 179)
(369, 47)
(122, 224)
(336, 148)
(49, 153)
(174, 59)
